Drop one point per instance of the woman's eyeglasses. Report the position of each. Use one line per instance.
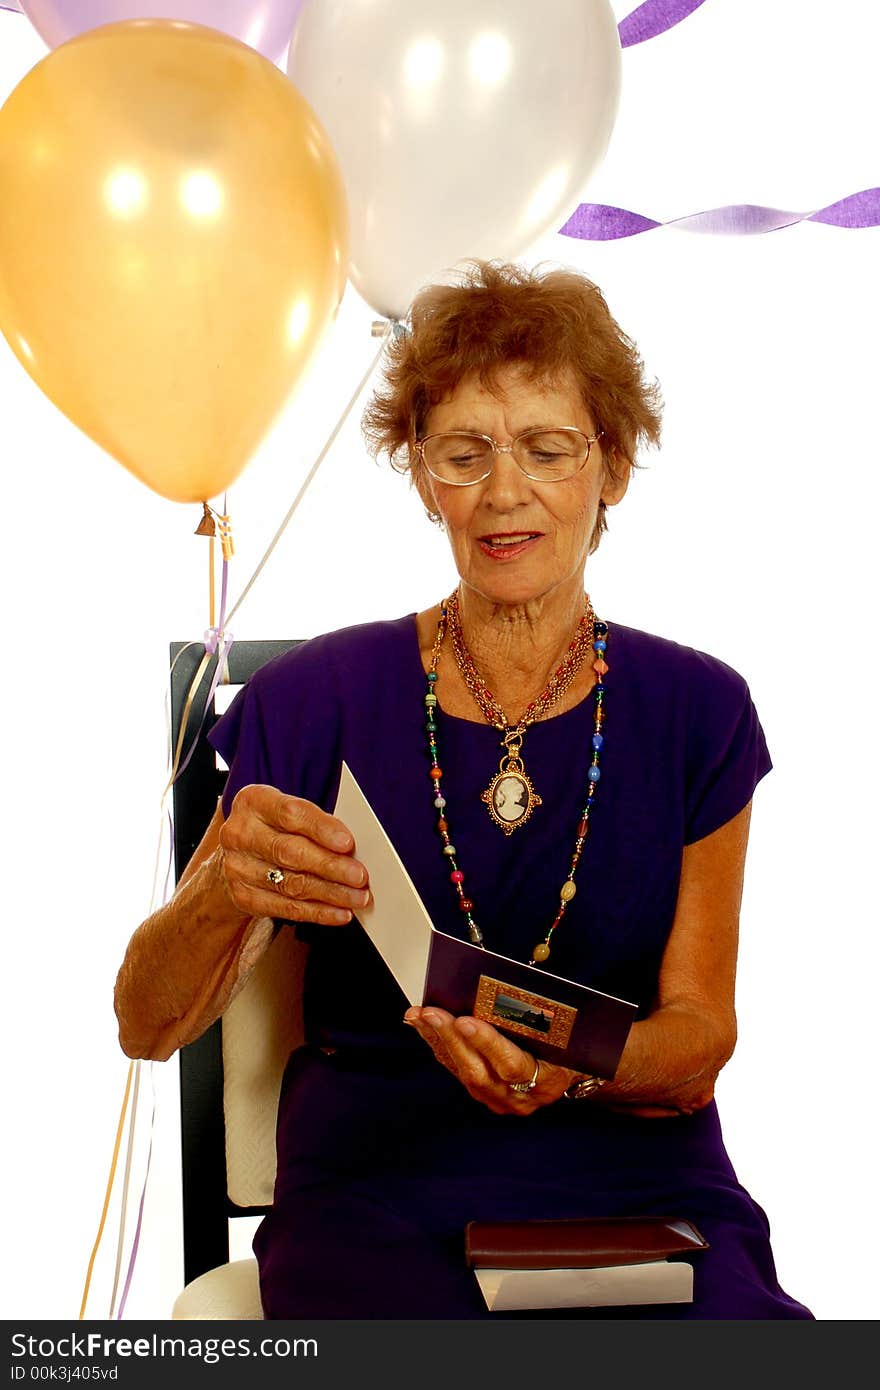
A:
(545, 455)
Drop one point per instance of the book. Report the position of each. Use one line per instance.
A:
(585, 1262)
(555, 1019)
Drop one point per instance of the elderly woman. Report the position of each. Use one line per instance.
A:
(563, 789)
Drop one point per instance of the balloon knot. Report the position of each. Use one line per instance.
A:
(398, 329)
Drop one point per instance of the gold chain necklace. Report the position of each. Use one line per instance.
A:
(510, 796)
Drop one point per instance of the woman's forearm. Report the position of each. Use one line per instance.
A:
(670, 1063)
(183, 965)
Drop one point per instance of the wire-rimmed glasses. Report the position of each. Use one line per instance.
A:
(548, 454)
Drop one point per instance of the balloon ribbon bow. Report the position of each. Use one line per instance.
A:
(225, 532)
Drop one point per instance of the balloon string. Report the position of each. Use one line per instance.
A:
(223, 587)
(82, 1308)
(140, 1216)
(175, 769)
(224, 638)
(134, 1066)
(217, 641)
(223, 644)
(123, 1204)
(216, 638)
(184, 721)
(211, 581)
(169, 860)
(313, 470)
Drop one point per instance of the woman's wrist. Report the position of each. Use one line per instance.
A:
(179, 957)
(670, 1063)
(583, 1085)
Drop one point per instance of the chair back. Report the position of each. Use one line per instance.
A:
(230, 1077)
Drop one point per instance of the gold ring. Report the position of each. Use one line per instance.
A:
(275, 877)
(522, 1086)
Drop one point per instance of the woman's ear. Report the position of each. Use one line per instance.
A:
(422, 483)
(618, 470)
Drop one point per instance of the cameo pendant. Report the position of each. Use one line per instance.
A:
(510, 796)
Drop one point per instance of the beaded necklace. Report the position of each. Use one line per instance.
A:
(541, 951)
(510, 796)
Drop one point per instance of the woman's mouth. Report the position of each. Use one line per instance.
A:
(504, 545)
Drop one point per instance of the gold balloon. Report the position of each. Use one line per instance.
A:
(173, 243)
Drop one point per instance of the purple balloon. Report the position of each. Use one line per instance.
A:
(265, 25)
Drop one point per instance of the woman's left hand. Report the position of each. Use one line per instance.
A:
(486, 1063)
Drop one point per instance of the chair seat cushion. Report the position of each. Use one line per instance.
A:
(230, 1291)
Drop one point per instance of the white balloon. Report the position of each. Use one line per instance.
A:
(463, 127)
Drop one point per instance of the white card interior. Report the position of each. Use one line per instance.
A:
(659, 1281)
(396, 922)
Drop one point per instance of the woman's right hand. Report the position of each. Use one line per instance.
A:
(268, 830)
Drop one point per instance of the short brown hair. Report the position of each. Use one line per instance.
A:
(545, 320)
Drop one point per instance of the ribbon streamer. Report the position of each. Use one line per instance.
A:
(599, 222)
(652, 18)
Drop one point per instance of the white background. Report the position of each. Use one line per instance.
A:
(748, 536)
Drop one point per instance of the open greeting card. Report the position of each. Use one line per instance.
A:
(553, 1018)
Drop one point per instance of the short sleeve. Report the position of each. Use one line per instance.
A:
(239, 736)
(727, 752)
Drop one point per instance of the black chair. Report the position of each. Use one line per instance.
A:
(229, 1077)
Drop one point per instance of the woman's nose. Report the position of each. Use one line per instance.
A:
(507, 485)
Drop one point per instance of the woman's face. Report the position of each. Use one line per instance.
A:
(515, 540)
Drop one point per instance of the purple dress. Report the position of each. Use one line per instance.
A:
(383, 1157)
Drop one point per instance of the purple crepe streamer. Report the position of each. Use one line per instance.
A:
(599, 222)
(858, 210)
(13, 9)
(653, 18)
